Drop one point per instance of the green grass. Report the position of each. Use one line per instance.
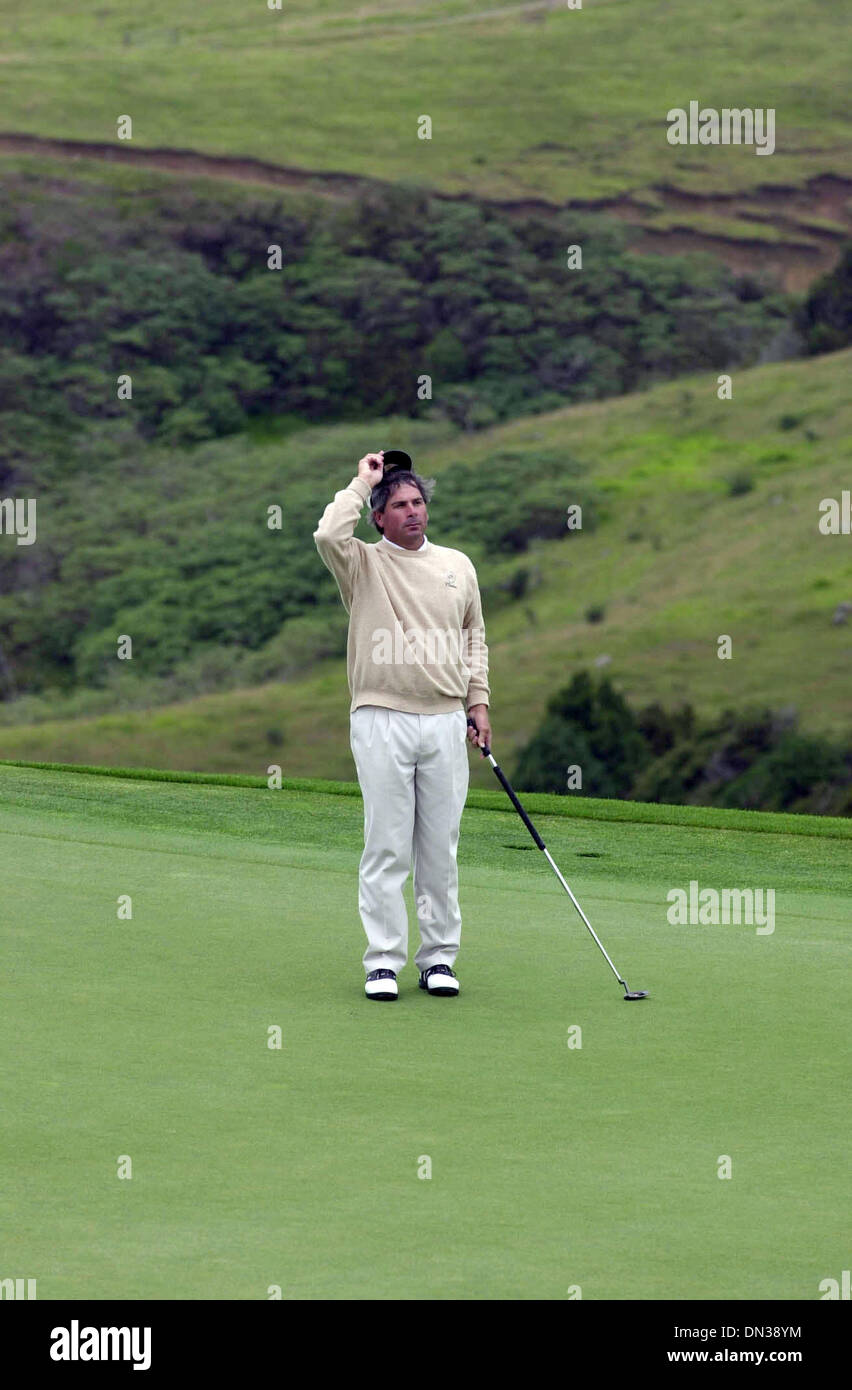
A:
(551, 1166)
(325, 86)
(729, 228)
(573, 807)
(676, 561)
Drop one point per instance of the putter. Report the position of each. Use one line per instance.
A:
(628, 992)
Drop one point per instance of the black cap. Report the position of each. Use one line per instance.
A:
(396, 460)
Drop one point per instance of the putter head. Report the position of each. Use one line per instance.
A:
(636, 994)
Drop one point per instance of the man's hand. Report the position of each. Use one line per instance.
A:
(481, 735)
(371, 467)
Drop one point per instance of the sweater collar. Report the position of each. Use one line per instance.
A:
(418, 551)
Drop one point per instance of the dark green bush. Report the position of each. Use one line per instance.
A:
(754, 760)
(590, 724)
(825, 318)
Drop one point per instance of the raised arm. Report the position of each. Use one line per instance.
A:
(339, 548)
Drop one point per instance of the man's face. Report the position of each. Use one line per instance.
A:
(404, 517)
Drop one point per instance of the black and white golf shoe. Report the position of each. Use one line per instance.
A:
(439, 979)
(381, 984)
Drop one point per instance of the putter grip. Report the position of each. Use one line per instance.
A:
(514, 800)
(472, 722)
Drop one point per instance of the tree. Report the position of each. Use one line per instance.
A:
(825, 318)
(589, 725)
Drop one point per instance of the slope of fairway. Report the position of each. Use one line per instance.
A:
(552, 1166)
(336, 87)
(677, 559)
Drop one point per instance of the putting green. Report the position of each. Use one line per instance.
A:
(553, 1167)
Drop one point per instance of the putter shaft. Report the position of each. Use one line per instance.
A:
(540, 842)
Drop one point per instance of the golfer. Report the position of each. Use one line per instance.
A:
(417, 665)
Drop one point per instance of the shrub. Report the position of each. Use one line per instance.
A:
(752, 759)
(739, 484)
(590, 724)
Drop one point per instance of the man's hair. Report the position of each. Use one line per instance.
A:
(384, 490)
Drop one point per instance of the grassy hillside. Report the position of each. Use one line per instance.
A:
(173, 287)
(707, 525)
(526, 99)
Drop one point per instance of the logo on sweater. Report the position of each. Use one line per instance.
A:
(450, 579)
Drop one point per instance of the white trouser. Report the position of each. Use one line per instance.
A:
(413, 771)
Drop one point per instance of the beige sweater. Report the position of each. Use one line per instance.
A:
(416, 633)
